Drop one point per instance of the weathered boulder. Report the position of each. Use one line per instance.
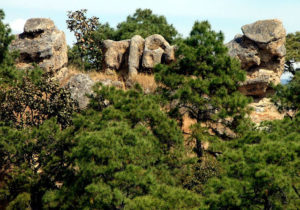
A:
(135, 53)
(41, 43)
(115, 54)
(261, 50)
(156, 49)
(264, 31)
(80, 85)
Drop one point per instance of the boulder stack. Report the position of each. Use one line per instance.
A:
(135, 54)
(261, 50)
(41, 43)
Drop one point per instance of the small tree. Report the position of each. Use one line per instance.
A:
(203, 82)
(34, 99)
(88, 47)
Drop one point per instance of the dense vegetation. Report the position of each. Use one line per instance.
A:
(293, 50)
(127, 150)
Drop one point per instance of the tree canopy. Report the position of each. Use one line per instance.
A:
(292, 50)
(127, 149)
(204, 80)
(144, 23)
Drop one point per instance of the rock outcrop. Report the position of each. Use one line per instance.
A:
(41, 43)
(136, 54)
(261, 50)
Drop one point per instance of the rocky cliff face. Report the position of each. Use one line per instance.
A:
(261, 50)
(135, 54)
(41, 43)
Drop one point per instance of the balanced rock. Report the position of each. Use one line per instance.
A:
(41, 43)
(261, 50)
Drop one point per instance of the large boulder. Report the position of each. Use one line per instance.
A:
(41, 43)
(115, 54)
(135, 54)
(156, 49)
(264, 31)
(261, 50)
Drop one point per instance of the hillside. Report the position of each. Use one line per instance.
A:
(131, 119)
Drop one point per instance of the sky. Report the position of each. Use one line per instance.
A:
(224, 15)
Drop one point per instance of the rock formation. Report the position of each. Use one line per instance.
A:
(156, 49)
(134, 54)
(80, 86)
(261, 51)
(41, 43)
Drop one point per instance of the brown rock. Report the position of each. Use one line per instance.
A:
(115, 54)
(264, 109)
(135, 53)
(41, 43)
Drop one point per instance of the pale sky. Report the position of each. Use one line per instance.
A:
(225, 15)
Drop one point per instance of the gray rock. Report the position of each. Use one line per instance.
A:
(264, 31)
(155, 48)
(41, 43)
(80, 86)
(261, 51)
(38, 25)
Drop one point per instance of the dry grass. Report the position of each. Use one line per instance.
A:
(147, 82)
(100, 76)
(70, 72)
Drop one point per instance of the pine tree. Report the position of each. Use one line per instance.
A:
(204, 80)
(7, 58)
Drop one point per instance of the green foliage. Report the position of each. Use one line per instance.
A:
(33, 99)
(293, 46)
(7, 70)
(145, 23)
(292, 50)
(87, 47)
(204, 79)
(262, 170)
(128, 152)
(287, 97)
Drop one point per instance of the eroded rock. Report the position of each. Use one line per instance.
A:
(261, 50)
(115, 54)
(136, 54)
(41, 43)
(155, 48)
